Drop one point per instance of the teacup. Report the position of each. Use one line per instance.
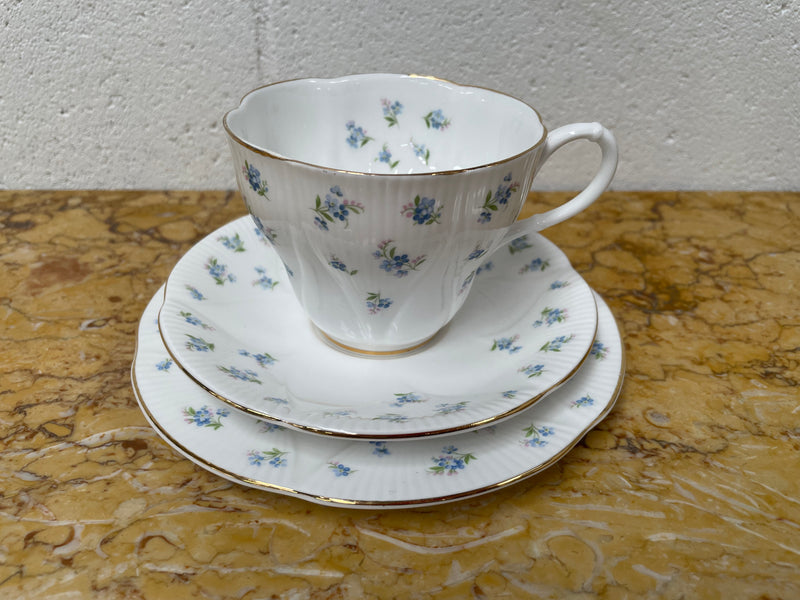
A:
(383, 194)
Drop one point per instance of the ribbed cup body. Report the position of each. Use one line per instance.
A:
(382, 261)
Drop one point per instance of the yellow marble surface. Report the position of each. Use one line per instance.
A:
(689, 489)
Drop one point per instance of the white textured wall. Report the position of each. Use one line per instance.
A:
(129, 94)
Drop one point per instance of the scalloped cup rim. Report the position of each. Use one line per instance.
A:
(278, 156)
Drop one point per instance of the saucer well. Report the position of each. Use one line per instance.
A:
(230, 320)
(372, 474)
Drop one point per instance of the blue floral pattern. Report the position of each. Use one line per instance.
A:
(535, 437)
(582, 401)
(266, 427)
(380, 449)
(247, 375)
(385, 156)
(164, 365)
(537, 264)
(192, 320)
(476, 253)
(532, 370)
(450, 461)
(357, 137)
(556, 344)
(274, 457)
(519, 244)
(205, 416)
(264, 281)
(551, 316)
(263, 359)
(487, 266)
(265, 234)
(391, 110)
(391, 418)
(423, 211)
(421, 151)
(335, 208)
(234, 243)
(195, 293)
(558, 284)
(219, 272)
(599, 351)
(435, 119)
(340, 266)
(340, 470)
(376, 303)
(254, 179)
(448, 408)
(502, 195)
(507, 344)
(198, 344)
(395, 263)
(407, 398)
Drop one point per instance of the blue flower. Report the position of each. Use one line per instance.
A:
(340, 470)
(450, 408)
(321, 223)
(254, 177)
(385, 156)
(409, 398)
(204, 416)
(555, 344)
(519, 244)
(424, 210)
(450, 462)
(485, 216)
(583, 401)
(164, 365)
(477, 253)
(532, 370)
(436, 120)
(507, 344)
(537, 264)
(255, 458)
(380, 449)
(264, 282)
(195, 293)
(278, 461)
(599, 350)
(358, 137)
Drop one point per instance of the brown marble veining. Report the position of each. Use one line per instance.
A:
(689, 489)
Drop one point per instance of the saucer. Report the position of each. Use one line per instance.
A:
(231, 321)
(364, 474)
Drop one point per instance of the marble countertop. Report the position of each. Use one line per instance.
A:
(690, 488)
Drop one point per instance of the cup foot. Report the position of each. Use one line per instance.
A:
(368, 353)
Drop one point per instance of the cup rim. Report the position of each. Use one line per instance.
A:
(280, 157)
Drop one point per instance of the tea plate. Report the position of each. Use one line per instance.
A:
(372, 474)
(231, 321)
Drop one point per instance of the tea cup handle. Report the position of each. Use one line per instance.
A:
(593, 132)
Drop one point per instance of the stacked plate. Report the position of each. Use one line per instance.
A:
(231, 373)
